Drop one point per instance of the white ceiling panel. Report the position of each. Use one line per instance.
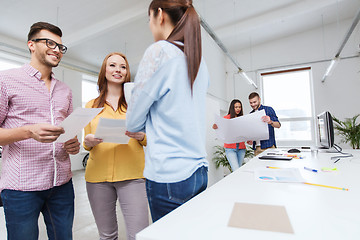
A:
(92, 29)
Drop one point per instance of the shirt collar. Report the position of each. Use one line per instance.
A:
(33, 72)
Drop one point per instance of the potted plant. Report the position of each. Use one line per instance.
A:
(220, 159)
(349, 130)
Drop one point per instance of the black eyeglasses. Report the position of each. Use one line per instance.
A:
(52, 44)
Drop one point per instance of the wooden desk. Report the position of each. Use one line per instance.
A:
(314, 212)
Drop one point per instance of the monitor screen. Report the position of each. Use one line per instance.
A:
(326, 130)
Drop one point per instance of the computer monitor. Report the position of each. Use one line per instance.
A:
(326, 130)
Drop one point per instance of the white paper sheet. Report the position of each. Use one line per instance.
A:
(128, 87)
(244, 128)
(76, 121)
(112, 130)
(279, 175)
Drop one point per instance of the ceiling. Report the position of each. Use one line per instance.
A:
(92, 29)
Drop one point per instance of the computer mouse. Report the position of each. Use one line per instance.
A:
(294, 150)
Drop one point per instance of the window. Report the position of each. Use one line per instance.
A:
(289, 93)
(89, 89)
(5, 64)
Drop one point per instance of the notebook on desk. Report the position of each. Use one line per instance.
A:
(275, 157)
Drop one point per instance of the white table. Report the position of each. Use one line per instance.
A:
(314, 212)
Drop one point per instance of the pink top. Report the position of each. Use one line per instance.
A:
(29, 165)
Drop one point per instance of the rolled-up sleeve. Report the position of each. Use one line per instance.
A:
(271, 113)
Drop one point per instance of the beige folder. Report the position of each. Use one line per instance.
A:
(260, 217)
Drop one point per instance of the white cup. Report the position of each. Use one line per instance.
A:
(128, 87)
(314, 151)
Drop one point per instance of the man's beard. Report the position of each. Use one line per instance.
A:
(257, 107)
(48, 63)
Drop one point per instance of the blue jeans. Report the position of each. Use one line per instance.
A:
(235, 156)
(165, 197)
(22, 209)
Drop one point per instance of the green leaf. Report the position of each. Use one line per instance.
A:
(219, 156)
(349, 130)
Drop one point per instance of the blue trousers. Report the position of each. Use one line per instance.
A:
(165, 197)
(235, 156)
(22, 210)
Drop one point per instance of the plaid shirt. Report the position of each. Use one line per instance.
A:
(29, 165)
(271, 141)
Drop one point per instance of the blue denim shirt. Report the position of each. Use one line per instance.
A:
(271, 141)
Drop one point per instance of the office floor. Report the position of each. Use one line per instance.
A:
(84, 223)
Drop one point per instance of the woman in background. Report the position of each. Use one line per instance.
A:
(115, 171)
(235, 152)
(168, 100)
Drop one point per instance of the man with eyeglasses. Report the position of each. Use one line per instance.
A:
(36, 171)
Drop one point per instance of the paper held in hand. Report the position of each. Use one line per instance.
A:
(128, 87)
(112, 130)
(244, 128)
(76, 121)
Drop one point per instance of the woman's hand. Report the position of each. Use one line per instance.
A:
(136, 135)
(91, 141)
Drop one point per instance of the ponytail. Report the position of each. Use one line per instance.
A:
(187, 30)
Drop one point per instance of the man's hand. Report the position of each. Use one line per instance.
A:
(266, 119)
(72, 146)
(271, 122)
(137, 135)
(44, 132)
(215, 126)
(91, 141)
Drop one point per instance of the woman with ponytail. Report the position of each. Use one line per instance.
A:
(168, 102)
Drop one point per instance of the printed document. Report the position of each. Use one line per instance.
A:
(112, 130)
(76, 121)
(244, 128)
(279, 175)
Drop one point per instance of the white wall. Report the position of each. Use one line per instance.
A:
(215, 60)
(339, 94)
(216, 99)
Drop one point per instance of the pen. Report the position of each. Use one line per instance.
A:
(320, 185)
(273, 167)
(337, 160)
(310, 169)
(294, 156)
